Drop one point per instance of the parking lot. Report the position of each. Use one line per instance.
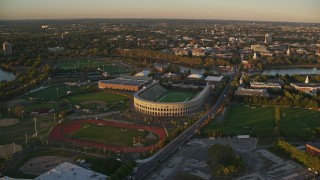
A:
(191, 160)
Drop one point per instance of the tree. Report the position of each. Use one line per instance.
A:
(17, 110)
(223, 162)
(277, 115)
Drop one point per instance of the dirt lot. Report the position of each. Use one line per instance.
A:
(8, 122)
(42, 164)
(8, 149)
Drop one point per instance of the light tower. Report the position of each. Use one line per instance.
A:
(35, 127)
(288, 51)
(241, 80)
(268, 38)
(307, 80)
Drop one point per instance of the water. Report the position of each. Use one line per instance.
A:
(8, 76)
(291, 71)
(183, 68)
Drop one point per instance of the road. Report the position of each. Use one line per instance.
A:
(146, 168)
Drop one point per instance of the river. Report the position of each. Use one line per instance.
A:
(8, 76)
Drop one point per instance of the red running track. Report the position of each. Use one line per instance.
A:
(58, 133)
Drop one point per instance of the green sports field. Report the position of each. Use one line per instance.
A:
(111, 68)
(107, 134)
(173, 95)
(53, 92)
(106, 97)
(243, 119)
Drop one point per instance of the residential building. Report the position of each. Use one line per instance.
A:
(251, 92)
(306, 87)
(265, 85)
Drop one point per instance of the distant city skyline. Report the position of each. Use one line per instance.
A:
(257, 10)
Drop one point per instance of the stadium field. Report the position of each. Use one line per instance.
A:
(177, 96)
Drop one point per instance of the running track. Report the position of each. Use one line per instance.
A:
(58, 133)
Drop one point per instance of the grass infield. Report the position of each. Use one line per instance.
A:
(107, 134)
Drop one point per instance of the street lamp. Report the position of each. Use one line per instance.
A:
(25, 88)
(26, 135)
(49, 81)
(57, 92)
(9, 111)
(35, 126)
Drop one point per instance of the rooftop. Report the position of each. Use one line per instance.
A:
(214, 78)
(195, 76)
(130, 82)
(66, 171)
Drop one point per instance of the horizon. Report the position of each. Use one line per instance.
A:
(101, 18)
(243, 10)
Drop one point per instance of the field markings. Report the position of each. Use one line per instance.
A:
(162, 98)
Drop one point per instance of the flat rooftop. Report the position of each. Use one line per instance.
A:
(66, 171)
(128, 82)
(307, 85)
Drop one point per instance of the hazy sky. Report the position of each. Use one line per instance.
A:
(273, 10)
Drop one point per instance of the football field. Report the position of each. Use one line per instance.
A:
(177, 96)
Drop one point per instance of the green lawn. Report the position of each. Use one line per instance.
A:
(53, 92)
(106, 97)
(111, 68)
(16, 133)
(173, 95)
(260, 121)
(107, 134)
(34, 106)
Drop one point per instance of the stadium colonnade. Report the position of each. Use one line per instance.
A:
(145, 101)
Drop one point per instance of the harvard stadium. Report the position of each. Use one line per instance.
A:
(159, 101)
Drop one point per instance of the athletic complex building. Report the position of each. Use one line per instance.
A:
(159, 101)
(122, 84)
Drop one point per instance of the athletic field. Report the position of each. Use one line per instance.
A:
(111, 68)
(107, 134)
(256, 120)
(53, 92)
(173, 95)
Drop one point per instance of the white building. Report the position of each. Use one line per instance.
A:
(268, 38)
(7, 48)
(195, 76)
(143, 73)
(214, 79)
(265, 85)
(259, 48)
